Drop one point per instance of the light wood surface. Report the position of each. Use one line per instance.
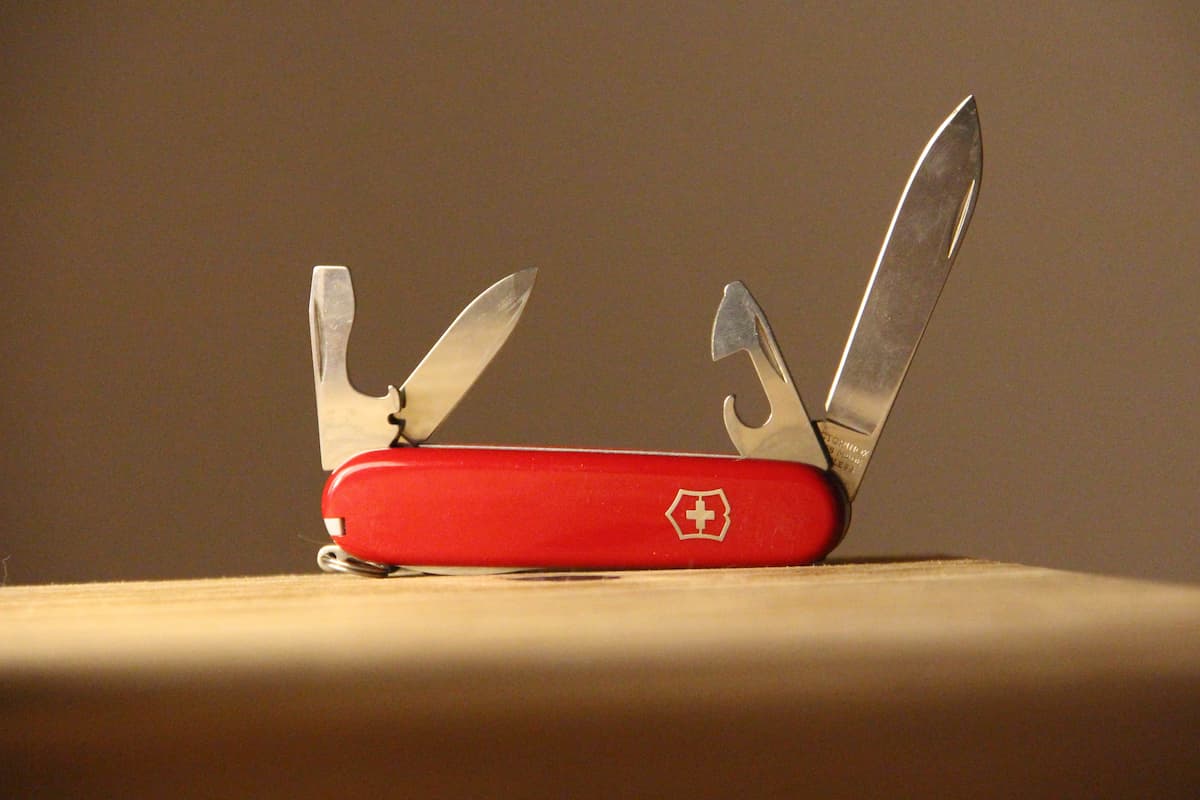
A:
(906, 678)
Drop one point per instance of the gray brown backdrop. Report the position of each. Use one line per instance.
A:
(172, 173)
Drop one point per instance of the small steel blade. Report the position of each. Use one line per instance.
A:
(452, 366)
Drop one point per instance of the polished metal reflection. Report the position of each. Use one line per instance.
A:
(788, 433)
(348, 421)
(452, 366)
(914, 262)
(351, 422)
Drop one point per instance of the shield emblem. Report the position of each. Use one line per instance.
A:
(700, 515)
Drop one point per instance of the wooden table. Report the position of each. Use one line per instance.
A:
(892, 678)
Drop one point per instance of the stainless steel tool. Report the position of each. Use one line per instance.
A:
(350, 421)
(917, 253)
(784, 500)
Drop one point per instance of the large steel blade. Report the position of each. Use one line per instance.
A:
(914, 262)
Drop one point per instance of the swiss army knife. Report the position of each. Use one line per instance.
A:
(783, 500)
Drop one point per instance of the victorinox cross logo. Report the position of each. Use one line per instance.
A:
(700, 515)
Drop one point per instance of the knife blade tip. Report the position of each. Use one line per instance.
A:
(523, 280)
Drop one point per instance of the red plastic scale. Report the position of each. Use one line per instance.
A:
(581, 508)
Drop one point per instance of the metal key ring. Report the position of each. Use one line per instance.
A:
(332, 558)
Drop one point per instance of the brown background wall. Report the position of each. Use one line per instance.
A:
(171, 174)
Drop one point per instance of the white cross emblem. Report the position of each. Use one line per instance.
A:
(692, 511)
(700, 514)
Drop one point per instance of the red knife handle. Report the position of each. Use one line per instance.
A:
(464, 506)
